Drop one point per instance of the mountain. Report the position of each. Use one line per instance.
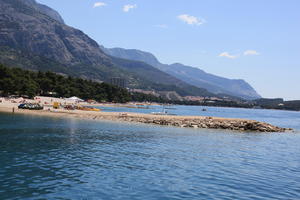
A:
(45, 10)
(191, 75)
(26, 30)
(35, 37)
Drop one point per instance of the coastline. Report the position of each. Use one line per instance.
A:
(165, 120)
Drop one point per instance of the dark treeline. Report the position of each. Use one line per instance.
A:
(16, 81)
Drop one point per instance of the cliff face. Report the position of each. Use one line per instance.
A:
(31, 39)
(191, 75)
(25, 28)
(44, 9)
(33, 36)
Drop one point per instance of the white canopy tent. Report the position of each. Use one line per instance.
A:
(76, 99)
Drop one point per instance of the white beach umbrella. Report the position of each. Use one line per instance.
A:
(74, 99)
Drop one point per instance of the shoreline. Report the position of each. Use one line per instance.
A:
(164, 120)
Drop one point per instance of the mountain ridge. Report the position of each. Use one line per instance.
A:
(191, 75)
(28, 36)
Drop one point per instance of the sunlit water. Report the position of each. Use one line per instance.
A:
(50, 158)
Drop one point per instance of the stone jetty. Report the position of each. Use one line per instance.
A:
(207, 122)
(164, 120)
(192, 122)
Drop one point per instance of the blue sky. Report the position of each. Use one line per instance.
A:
(257, 40)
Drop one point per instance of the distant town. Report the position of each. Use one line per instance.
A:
(225, 101)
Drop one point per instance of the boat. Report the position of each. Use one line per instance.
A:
(159, 113)
(171, 108)
(88, 109)
(95, 109)
(164, 112)
(143, 107)
(31, 106)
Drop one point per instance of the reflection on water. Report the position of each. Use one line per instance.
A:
(49, 158)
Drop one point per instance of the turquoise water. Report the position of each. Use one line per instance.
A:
(50, 158)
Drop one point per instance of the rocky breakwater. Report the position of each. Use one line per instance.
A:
(204, 122)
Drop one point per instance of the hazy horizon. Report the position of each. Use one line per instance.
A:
(255, 41)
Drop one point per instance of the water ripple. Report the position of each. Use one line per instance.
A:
(47, 158)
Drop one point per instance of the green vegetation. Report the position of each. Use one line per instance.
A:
(16, 81)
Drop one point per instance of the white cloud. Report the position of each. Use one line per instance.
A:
(251, 53)
(191, 20)
(99, 4)
(161, 26)
(227, 55)
(127, 7)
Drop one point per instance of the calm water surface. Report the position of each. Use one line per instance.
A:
(49, 158)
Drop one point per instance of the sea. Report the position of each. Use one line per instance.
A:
(66, 158)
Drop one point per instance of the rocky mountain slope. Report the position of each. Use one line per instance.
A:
(34, 36)
(45, 10)
(191, 75)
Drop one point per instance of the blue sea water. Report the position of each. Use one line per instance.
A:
(55, 158)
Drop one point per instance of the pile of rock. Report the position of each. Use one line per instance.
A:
(207, 122)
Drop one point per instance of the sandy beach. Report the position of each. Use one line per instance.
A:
(11, 106)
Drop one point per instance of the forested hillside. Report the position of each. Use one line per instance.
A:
(15, 81)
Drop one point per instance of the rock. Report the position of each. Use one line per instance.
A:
(238, 125)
